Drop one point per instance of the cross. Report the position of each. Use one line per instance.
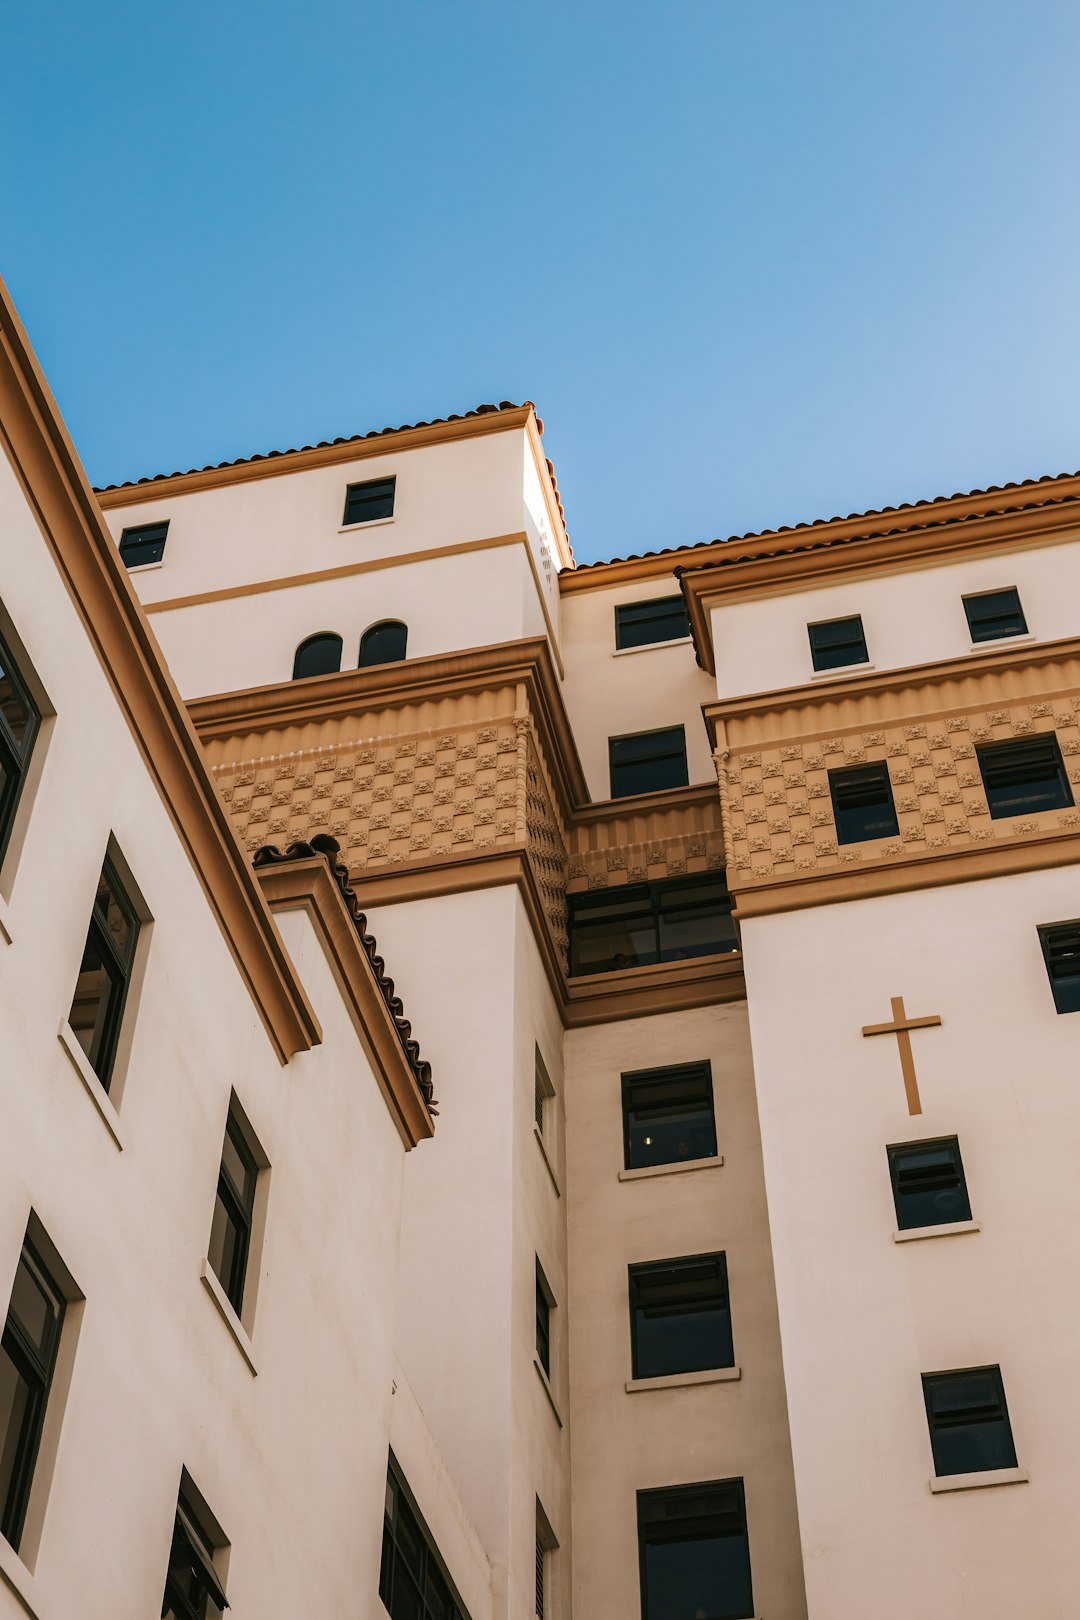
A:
(900, 1027)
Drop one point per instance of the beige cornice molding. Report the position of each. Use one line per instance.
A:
(60, 496)
(308, 886)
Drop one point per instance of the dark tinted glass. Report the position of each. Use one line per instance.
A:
(863, 803)
(928, 1184)
(543, 1324)
(193, 1588)
(412, 1582)
(969, 1421)
(839, 642)
(693, 918)
(994, 614)
(639, 624)
(1022, 778)
(143, 545)
(383, 643)
(98, 1003)
(366, 502)
(27, 1358)
(1061, 949)
(230, 1232)
(639, 924)
(680, 1316)
(695, 1555)
(318, 655)
(18, 727)
(648, 762)
(668, 1115)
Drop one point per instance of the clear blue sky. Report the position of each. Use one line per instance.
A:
(756, 261)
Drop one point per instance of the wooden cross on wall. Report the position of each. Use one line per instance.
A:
(901, 1027)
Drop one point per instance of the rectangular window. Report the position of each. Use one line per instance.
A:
(27, 1361)
(668, 1115)
(648, 762)
(97, 1008)
(413, 1581)
(929, 1188)
(143, 545)
(680, 1316)
(969, 1421)
(366, 502)
(838, 642)
(1061, 949)
(695, 1553)
(19, 721)
(1021, 778)
(545, 1302)
(862, 803)
(994, 614)
(193, 1587)
(639, 924)
(641, 624)
(541, 1571)
(230, 1234)
(543, 1096)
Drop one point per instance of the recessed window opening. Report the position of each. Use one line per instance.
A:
(19, 722)
(97, 1008)
(318, 655)
(234, 1210)
(28, 1349)
(543, 1094)
(1061, 951)
(636, 925)
(142, 545)
(643, 624)
(838, 642)
(862, 803)
(1024, 777)
(969, 1424)
(648, 762)
(383, 644)
(366, 502)
(928, 1183)
(546, 1546)
(680, 1316)
(413, 1580)
(668, 1115)
(695, 1553)
(194, 1589)
(993, 614)
(545, 1304)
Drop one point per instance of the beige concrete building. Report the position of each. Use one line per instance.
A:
(530, 1089)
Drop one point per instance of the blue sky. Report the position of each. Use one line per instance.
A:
(756, 261)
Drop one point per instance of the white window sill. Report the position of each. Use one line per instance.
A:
(14, 1573)
(228, 1315)
(542, 1145)
(94, 1088)
(1001, 641)
(653, 646)
(678, 1167)
(544, 1379)
(975, 1482)
(915, 1234)
(372, 523)
(5, 920)
(146, 568)
(841, 671)
(711, 1375)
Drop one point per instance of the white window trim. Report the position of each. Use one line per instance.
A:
(548, 1391)
(145, 568)
(653, 646)
(228, 1315)
(915, 1234)
(544, 1154)
(711, 1375)
(370, 523)
(679, 1167)
(1002, 641)
(841, 671)
(941, 1483)
(96, 1091)
(5, 920)
(15, 1574)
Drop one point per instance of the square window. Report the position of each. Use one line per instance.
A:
(838, 642)
(234, 1211)
(928, 1183)
(994, 614)
(1024, 777)
(668, 1115)
(969, 1421)
(97, 1008)
(193, 1587)
(648, 762)
(366, 502)
(1061, 950)
(143, 545)
(680, 1316)
(545, 1304)
(28, 1349)
(19, 721)
(642, 624)
(862, 803)
(695, 1553)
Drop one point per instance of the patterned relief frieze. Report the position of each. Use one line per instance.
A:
(546, 846)
(646, 847)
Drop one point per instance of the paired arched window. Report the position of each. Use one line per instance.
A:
(318, 655)
(383, 644)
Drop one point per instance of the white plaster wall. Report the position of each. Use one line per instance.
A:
(863, 1317)
(911, 617)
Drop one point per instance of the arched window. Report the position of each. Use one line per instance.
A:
(318, 655)
(383, 643)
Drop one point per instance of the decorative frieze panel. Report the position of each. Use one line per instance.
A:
(646, 842)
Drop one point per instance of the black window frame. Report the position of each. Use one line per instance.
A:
(919, 1182)
(149, 536)
(35, 1365)
(727, 1500)
(982, 626)
(318, 639)
(378, 493)
(669, 751)
(15, 752)
(239, 1212)
(849, 786)
(369, 638)
(541, 1574)
(1005, 773)
(832, 651)
(968, 1417)
(545, 1306)
(651, 911)
(676, 1076)
(692, 1280)
(430, 1571)
(192, 1549)
(633, 618)
(1061, 953)
(122, 964)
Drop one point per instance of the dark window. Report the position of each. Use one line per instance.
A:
(193, 1589)
(413, 1582)
(540, 1573)
(994, 614)
(383, 643)
(145, 544)
(695, 1554)
(19, 721)
(101, 989)
(641, 923)
(668, 1115)
(318, 655)
(839, 642)
(539, 1099)
(969, 1421)
(928, 1183)
(230, 1234)
(27, 1359)
(862, 803)
(1061, 948)
(544, 1303)
(366, 502)
(1022, 778)
(640, 624)
(680, 1316)
(648, 762)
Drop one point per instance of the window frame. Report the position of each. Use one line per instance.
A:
(688, 1493)
(654, 903)
(670, 1072)
(317, 636)
(936, 1380)
(839, 780)
(389, 482)
(190, 1529)
(398, 1492)
(991, 755)
(638, 1275)
(676, 754)
(633, 615)
(15, 755)
(819, 651)
(545, 1310)
(1071, 981)
(241, 1215)
(374, 629)
(144, 534)
(978, 639)
(894, 1152)
(36, 1368)
(123, 964)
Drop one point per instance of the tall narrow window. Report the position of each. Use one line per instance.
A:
(648, 762)
(863, 803)
(680, 1316)
(928, 1182)
(668, 1115)
(383, 644)
(695, 1553)
(364, 503)
(143, 545)
(413, 1580)
(644, 624)
(1023, 777)
(994, 614)
(541, 1571)
(970, 1431)
(27, 1361)
(546, 1545)
(19, 720)
(97, 1008)
(193, 1587)
(230, 1234)
(318, 655)
(837, 642)
(1061, 950)
(544, 1302)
